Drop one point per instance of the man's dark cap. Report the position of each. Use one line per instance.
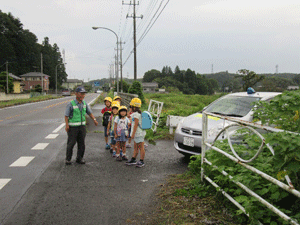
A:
(81, 90)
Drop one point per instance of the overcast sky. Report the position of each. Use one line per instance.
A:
(230, 34)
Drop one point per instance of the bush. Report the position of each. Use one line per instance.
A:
(136, 88)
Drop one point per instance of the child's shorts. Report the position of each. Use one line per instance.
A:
(105, 132)
(112, 141)
(112, 138)
(139, 139)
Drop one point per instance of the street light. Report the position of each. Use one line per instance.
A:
(56, 76)
(117, 77)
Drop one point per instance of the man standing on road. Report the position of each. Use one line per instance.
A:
(75, 125)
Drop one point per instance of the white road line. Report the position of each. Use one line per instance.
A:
(58, 129)
(51, 136)
(3, 182)
(40, 146)
(22, 161)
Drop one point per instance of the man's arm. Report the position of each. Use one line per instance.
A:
(94, 119)
(67, 123)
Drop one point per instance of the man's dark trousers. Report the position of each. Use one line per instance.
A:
(76, 134)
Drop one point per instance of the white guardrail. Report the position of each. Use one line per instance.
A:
(238, 123)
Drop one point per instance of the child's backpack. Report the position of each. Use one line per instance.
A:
(105, 118)
(147, 120)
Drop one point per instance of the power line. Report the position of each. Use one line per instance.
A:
(144, 34)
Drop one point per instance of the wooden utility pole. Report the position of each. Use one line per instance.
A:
(121, 64)
(134, 34)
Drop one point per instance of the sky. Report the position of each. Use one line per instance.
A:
(203, 35)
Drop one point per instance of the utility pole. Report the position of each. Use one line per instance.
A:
(134, 34)
(116, 72)
(6, 77)
(121, 66)
(212, 68)
(42, 72)
(276, 69)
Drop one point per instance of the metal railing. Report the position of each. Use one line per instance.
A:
(155, 108)
(236, 158)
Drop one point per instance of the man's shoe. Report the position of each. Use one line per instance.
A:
(68, 162)
(107, 146)
(119, 158)
(128, 145)
(124, 157)
(80, 161)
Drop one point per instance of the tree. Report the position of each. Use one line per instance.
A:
(38, 88)
(125, 86)
(150, 75)
(3, 82)
(136, 88)
(249, 78)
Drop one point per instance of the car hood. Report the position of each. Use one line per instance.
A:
(194, 122)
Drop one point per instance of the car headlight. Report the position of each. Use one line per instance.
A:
(178, 128)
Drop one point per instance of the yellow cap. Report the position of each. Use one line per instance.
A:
(108, 99)
(136, 102)
(122, 107)
(115, 104)
(116, 97)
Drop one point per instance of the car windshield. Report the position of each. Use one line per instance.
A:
(238, 106)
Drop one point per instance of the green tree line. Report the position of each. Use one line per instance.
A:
(19, 47)
(188, 82)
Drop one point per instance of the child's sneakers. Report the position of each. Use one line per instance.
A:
(131, 162)
(119, 158)
(114, 154)
(140, 164)
(124, 157)
(128, 145)
(107, 146)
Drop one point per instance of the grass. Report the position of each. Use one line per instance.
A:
(4, 104)
(175, 104)
(181, 204)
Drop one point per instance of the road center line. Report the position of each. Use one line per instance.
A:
(22, 161)
(3, 182)
(40, 146)
(58, 129)
(51, 136)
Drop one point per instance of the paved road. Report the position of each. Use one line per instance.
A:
(103, 191)
(22, 160)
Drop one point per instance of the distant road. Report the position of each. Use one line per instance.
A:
(30, 137)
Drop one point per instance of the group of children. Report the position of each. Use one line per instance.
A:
(122, 125)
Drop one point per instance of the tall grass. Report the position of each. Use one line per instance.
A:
(175, 104)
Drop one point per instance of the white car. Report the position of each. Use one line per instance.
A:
(188, 134)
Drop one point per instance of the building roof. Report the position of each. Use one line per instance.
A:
(14, 76)
(74, 81)
(153, 84)
(34, 74)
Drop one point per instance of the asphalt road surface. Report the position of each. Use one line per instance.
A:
(26, 149)
(103, 191)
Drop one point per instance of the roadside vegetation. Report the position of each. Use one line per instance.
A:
(185, 199)
(29, 100)
(176, 104)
